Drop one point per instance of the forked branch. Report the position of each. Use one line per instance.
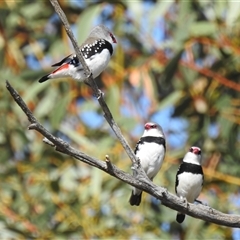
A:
(140, 179)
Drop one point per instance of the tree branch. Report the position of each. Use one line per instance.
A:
(107, 114)
(140, 181)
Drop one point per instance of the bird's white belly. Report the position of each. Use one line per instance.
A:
(189, 186)
(151, 156)
(98, 62)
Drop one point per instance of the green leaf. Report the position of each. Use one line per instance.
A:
(46, 104)
(171, 69)
(136, 8)
(171, 99)
(113, 100)
(85, 22)
(223, 102)
(59, 111)
(34, 89)
(159, 10)
(83, 141)
(96, 183)
(31, 10)
(203, 29)
(233, 12)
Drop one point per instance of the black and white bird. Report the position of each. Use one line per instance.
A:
(189, 178)
(97, 51)
(150, 150)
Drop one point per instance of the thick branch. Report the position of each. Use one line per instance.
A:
(91, 81)
(140, 181)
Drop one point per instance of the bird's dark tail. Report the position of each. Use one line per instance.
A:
(135, 199)
(180, 217)
(44, 78)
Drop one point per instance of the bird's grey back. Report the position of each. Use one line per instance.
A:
(88, 41)
(100, 31)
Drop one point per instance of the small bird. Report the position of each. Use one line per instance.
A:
(189, 178)
(97, 51)
(150, 150)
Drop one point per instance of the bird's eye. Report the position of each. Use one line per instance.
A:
(154, 126)
(191, 149)
(199, 152)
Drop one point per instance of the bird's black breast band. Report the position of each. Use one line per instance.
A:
(150, 139)
(158, 140)
(190, 167)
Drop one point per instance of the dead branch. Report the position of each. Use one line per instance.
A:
(139, 180)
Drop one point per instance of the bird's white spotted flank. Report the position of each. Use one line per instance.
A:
(97, 51)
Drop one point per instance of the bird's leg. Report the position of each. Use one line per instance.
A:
(184, 200)
(137, 164)
(165, 191)
(134, 171)
(211, 210)
(100, 94)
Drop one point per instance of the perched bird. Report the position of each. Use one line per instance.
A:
(189, 178)
(150, 150)
(97, 51)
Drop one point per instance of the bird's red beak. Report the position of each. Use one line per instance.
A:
(147, 126)
(196, 151)
(113, 38)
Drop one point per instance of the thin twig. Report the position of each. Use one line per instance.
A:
(109, 164)
(45, 140)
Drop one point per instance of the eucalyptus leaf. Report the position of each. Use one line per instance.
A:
(59, 111)
(171, 99)
(85, 22)
(203, 29)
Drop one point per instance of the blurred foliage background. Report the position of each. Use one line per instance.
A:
(177, 63)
